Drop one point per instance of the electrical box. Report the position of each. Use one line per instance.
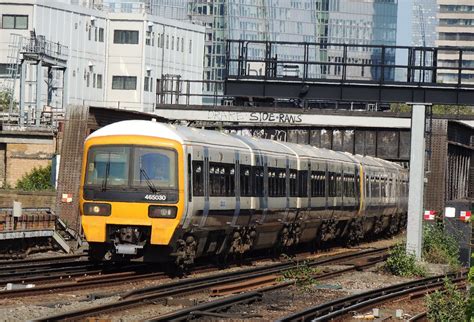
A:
(458, 224)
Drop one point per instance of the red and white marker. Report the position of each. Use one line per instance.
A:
(429, 215)
(465, 215)
(66, 197)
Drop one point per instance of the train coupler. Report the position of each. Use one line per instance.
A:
(127, 249)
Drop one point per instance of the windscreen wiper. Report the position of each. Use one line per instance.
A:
(148, 181)
(107, 171)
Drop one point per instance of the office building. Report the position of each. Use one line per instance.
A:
(455, 29)
(94, 57)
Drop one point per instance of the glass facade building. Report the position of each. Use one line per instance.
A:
(424, 23)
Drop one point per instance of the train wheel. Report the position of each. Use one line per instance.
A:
(356, 232)
(97, 252)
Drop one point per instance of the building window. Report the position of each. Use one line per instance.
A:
(124, 82)
(167, 41)
(101, 34)
(190, 45)
(125, 37)
(182, 45)
(177, 44)
(95, 33)
(172, 42)
(148, 38)
(146, 84)
(99, 80)
(94, 80)
(14, 22)
(158, 41)
(90, 33)
(88, 79)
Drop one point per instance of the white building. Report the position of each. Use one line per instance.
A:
(112, 59)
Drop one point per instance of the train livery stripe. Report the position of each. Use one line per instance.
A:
(206, 187)
(237, 188)
(362, 192)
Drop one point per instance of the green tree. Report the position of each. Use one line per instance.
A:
(5, 99)
(37, 179)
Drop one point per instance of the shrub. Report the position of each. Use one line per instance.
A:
(446, 305)
(302, 274)
(37, 179)
(402, 264)
(439, 247)
(470, 308)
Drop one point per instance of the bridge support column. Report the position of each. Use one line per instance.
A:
(416, 184)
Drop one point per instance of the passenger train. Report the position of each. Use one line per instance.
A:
(161, 192)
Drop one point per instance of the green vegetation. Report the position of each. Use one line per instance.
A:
(5, 99)
(37, 179)
(470, 306)
(447, 305)
(402, 264)
(302, 274)
(438, 247)
(437, 109)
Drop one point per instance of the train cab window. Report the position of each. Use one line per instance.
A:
(245, 187)
(108, 166)
(258, 181)
(155, 166)
(293, 183)
(303, 183)
(198, 178)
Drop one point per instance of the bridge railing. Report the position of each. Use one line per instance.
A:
(346, 63)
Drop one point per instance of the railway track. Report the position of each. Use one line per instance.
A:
(186, 286)
(340, 307)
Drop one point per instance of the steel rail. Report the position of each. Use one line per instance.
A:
(30, 261)
(339, 307)
(100, 281)
(207, 309)
(190, 285)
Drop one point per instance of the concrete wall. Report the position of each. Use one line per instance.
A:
(35, 199)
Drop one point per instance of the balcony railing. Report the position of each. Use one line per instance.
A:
(40, 46)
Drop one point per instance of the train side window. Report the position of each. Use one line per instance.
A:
(258, 181)
(293, 183)
(272, 182)
(303, 183)
(229, 180)
(282, 182)
(245, 187)
(198, 182)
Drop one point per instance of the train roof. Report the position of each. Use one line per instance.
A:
(185, 135)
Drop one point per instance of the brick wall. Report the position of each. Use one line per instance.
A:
(21, 158)
(42, 199)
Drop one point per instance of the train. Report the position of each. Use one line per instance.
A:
(158, 192)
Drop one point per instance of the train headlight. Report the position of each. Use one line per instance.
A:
(96, 209)
(162, 212)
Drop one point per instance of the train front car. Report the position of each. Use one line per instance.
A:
(131, 192)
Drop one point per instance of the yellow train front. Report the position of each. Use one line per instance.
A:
(130, 193)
